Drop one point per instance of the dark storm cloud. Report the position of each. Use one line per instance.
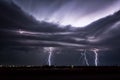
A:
(21, 33)
(92, 5)
(105, 31)
(79, 12)
(12, 16)
(48, 34)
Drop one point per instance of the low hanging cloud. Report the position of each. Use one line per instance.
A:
(28, 31)
(23, 38)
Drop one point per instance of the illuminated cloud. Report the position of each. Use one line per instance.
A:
(23, 38)
(77, 13)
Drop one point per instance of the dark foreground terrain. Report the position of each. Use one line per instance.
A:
(59, 73)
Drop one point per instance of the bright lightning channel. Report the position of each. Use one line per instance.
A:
(50, 51)
(50, 54)
(96, 56)
(83, 53)
(85, 58)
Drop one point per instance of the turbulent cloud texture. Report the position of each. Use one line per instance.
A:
(79, 12)
(22, 32)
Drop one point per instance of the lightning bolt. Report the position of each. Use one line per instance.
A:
(83, 53)
(50, 51)
(96, 56)
(50, 55)
(85, 58)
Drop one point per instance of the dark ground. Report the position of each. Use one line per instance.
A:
(59, 73)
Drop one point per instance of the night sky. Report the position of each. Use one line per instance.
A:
(60, 32)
